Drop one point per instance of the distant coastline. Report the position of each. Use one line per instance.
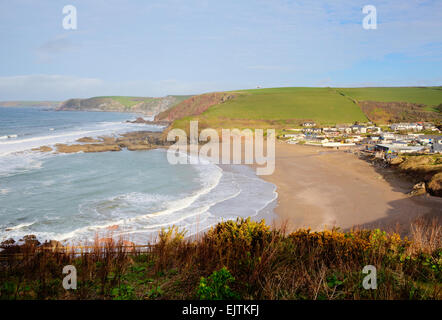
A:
(21, 104)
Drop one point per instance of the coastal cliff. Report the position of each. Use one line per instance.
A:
(145, 105)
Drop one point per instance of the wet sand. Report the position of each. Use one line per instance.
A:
(322, 188)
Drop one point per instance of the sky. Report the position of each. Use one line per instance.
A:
(161, 47)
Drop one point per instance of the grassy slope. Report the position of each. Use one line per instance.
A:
(429, 96)
(127, 101)
(284, 105)
(318, 104)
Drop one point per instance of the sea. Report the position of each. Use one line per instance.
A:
(129, 195)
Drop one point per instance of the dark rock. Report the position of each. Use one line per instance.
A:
(7, 243)
(30, 240)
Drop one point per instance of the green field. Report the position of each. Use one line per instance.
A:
(284, 105)
(127, 101)
(429, 96)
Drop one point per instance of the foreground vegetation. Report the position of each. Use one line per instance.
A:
(237, 260)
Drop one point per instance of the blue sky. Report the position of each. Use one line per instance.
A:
(160, 47)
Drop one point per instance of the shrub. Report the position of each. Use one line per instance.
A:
(242, 231)
(216, 287)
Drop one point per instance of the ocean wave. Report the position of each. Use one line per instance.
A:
(22, 162)
(210, 177)
(11, 136)
(19, 226)
(68, 136)
(221, 195)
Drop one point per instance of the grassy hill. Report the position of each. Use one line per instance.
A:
(128, 101)
(285, 107)
(319, 104)
(276, 107)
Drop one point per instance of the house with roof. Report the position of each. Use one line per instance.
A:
(312, 130)
(428, 126)
(357, 128)
(309, 124)
(398, 148)
(405, 126)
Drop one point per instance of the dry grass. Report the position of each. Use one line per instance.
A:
(265, 264)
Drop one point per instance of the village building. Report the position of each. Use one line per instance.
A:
(312, 130)
(344, 129)
(398, 148)
(428, 126)
(358, 129)
(405, 126)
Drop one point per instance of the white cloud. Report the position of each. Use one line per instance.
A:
(44, 87)
(60, 87)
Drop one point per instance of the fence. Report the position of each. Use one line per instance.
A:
(76, 250)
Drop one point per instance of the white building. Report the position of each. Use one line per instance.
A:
(405, 126)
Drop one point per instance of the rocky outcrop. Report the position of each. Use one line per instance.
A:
(30, 240)
(42, 149)
(397, 161)
(435, 185)
(143, 121)
(28, 243)
(142, 140)
(95, 147)
(418, 189)
(424, 170)
(133, 141)
(88, 140)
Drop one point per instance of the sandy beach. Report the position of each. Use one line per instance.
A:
(322, 188)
